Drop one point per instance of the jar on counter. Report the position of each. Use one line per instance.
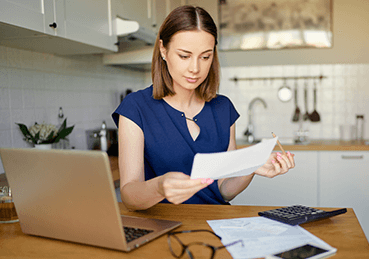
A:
(7, 208)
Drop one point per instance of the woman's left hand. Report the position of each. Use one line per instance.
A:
(276, 164)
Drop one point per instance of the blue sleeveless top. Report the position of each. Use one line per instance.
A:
(168, 143)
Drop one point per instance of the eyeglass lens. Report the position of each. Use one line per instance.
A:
(175, 246)
(196, 250)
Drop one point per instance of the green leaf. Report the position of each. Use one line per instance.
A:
(51, 136)
(23, 128)
(63, 126)
(64, 133)
(37, 138)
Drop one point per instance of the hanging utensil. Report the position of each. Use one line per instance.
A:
(297, 114)
(306, 116)
(314, 116)
(284, 92)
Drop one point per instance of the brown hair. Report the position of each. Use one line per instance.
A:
(184, 18)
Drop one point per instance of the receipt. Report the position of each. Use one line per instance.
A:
(232, 163)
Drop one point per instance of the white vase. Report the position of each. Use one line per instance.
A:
(43, 146)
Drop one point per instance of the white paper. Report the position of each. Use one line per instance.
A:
(232, 163)
(261, 236)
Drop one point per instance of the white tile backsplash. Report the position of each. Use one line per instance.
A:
(340, 96)
(34, 85)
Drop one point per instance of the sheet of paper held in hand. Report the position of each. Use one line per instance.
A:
(232, 163)
(261, 236)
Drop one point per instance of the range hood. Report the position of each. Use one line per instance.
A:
(135, 46)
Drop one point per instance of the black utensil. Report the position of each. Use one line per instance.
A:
(306, 116)
(297, 114)
(314, 116)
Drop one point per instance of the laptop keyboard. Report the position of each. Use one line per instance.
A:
(134, 233)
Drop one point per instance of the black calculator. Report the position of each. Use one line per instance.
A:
(298, 214)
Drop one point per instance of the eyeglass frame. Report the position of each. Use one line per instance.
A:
(185, 247)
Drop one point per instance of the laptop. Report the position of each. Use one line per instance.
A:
(69, 195)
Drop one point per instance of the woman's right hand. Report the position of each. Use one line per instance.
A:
(178, 187)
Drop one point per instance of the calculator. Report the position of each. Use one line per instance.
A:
(298, 214)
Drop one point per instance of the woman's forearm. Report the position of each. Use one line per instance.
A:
(140, 195)
(231, 187)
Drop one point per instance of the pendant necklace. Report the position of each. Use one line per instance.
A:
(194, 120)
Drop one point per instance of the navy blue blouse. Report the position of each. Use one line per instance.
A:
(168, 143)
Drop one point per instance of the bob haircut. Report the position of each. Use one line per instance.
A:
(184, 18)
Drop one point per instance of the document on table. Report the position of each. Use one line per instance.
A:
(232, 163)
(261, 236)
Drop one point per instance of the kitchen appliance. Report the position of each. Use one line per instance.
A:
(135, 46)
(104, 139)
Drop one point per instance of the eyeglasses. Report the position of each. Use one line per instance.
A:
(194, 250)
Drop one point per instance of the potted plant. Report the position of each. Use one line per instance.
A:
(44, 135)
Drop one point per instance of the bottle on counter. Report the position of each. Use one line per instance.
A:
(63, 143)
(360, 127)
(103, 137)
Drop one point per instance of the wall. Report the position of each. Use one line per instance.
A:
(34, 85)
(340, 96)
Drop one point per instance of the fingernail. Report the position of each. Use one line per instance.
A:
(288, 153)
(273, 161)
(279, 154)
(209, 181)
(203, 180)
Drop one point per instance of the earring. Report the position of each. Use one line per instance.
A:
(164, 58)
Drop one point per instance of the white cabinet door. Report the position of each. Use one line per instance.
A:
(136, 10)
(89, 23)
(344, 182)
(27, 14)
(24, 24)
(298, 186)
(54, 18)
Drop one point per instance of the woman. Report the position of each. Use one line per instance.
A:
(162, 127)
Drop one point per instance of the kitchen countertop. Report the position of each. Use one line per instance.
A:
(314, 145)
(318, 145)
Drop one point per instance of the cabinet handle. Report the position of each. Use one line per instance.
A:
(352, 157)
(53, 25)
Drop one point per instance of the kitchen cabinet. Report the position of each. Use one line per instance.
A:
(140, 11)
(298, 186)
(150, 14)
(90, 23)
(344, 182)
(29, 25)
(26, 14)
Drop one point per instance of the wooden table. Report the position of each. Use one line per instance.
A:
(342, 232)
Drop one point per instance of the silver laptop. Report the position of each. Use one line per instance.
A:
(69, 195)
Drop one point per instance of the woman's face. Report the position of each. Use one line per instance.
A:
(189, 56)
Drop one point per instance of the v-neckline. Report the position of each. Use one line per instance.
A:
(182, 114)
